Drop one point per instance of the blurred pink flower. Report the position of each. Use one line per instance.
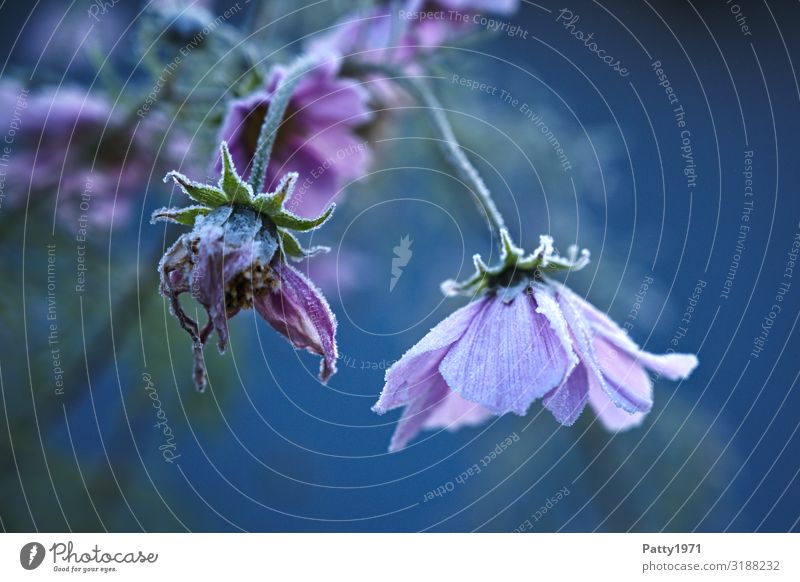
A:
(461, 18)
(379, 35)
(318, 138)
(71, 149)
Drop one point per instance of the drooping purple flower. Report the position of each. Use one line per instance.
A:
(72, 150)
(526, 338)
(318, 138)
(235, 258)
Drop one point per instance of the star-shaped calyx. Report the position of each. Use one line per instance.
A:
(232, 190)
(516, 271)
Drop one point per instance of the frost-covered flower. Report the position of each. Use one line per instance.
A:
(71, 149)
(525, 338)
(235, 258)
(318, 138)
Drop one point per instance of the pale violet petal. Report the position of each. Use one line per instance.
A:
(672, 366)
(547, 305)
(453, 412)
(419, 364)
(507, 358)
(627, 384)
(611, 416)
(568, 400)
(418, 410)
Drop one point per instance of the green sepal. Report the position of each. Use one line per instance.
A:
(186, 216)
(203, 193)
(294, 250)
(236, 190)
(272, 204)
(287, 219)
(233, 191)
(511, 253)
(515, 272)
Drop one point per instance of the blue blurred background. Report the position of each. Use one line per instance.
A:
(267, 448)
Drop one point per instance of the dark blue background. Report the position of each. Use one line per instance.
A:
(268, 448)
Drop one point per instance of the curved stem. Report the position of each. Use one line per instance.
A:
(453, 151)
(274, 119)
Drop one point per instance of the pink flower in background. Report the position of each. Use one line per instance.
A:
(505, 7)
(366, 35)
(461, 17)
(318, 138)
(505, 350)
(71, 149)
(74, 153)
(380, 35)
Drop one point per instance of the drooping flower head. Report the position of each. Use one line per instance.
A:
(318, 138)
(526, 337)
(235, 258)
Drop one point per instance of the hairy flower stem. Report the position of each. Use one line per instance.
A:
(453, 151)
(274, 119)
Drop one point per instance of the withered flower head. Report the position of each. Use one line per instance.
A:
(235, 258)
